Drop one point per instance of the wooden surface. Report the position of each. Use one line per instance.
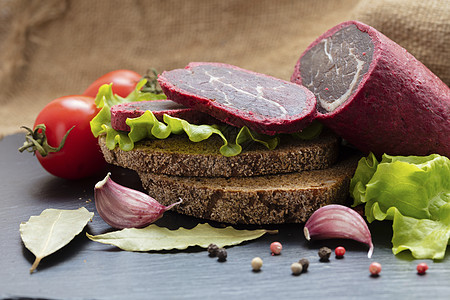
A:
(88, 270)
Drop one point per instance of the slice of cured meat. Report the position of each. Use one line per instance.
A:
(120, 113)
(375, 94)
(240, 97)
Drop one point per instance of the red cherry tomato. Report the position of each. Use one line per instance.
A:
(81, 155)
(124, 82)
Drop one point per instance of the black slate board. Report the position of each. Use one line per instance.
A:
(88, 270)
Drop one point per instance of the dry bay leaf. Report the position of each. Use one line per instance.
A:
(52, 230)
(155, 238)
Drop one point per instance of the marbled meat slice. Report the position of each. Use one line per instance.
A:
(240, 97)
(120, 113)
(375, 94)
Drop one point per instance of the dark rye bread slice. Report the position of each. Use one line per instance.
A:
(375, 94)
(240, 97)
(179, 156)
(270, 199)
(120, 113)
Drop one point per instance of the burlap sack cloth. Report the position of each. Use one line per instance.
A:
(52, 48)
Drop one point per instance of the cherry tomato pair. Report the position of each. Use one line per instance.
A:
(80, 155)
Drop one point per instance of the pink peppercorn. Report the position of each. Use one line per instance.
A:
(339, 251)
(422, 268)
(375, 268)
(275, 248)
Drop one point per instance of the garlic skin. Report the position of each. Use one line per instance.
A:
(122, 207)
(338, 221)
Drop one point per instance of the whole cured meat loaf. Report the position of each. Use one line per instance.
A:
(120, 113)
(375, 94)
(240, 97)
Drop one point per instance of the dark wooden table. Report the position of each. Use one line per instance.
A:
(88, 270)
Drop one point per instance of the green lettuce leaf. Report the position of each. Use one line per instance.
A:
(413, 192)
(311, 132)
(147, 126)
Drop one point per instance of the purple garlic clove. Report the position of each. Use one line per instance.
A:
(338, 221)
(122, 207)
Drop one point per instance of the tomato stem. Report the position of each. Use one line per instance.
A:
(36, 140)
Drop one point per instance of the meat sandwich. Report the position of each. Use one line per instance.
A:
(246, 148)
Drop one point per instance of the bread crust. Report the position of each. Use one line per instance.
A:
(178, 156)
(270, 199)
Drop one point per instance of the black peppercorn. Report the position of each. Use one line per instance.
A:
(212, 250)
(222, 254)
(324, 253)
(305, 264)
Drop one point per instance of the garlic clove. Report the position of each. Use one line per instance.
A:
(338, 221)
(122, 207)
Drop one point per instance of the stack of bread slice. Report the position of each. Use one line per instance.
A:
(285, 185)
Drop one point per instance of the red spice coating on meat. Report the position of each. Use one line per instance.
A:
(120, 113)
(400, 107)
(240, 97)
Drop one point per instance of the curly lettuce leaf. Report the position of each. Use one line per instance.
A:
(413, 192)
(147, 126)
(105, 99)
